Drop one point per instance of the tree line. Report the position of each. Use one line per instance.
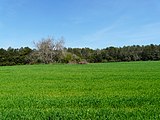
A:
(53, 51)
(118, 54)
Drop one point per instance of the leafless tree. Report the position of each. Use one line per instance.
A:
(49, 50)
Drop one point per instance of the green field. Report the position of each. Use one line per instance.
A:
(126, 90)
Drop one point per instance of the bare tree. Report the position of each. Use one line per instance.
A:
(49, 50)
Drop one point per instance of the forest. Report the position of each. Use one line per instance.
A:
(26, 55)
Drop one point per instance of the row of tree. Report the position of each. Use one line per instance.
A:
(13, 56)
(53, 51)
(111, 54)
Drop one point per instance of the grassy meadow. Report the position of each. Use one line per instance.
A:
(124, 90)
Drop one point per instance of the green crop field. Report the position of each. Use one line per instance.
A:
(125, 90)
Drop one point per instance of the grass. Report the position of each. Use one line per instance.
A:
(129, 90)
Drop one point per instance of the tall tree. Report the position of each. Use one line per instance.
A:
(49, 50)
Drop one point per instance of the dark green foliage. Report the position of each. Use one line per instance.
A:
(26, 55)
(126, 53)
(13, 56)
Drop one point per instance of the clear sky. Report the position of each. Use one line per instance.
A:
(83, 23)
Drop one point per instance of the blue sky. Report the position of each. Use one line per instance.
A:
(83, 23)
